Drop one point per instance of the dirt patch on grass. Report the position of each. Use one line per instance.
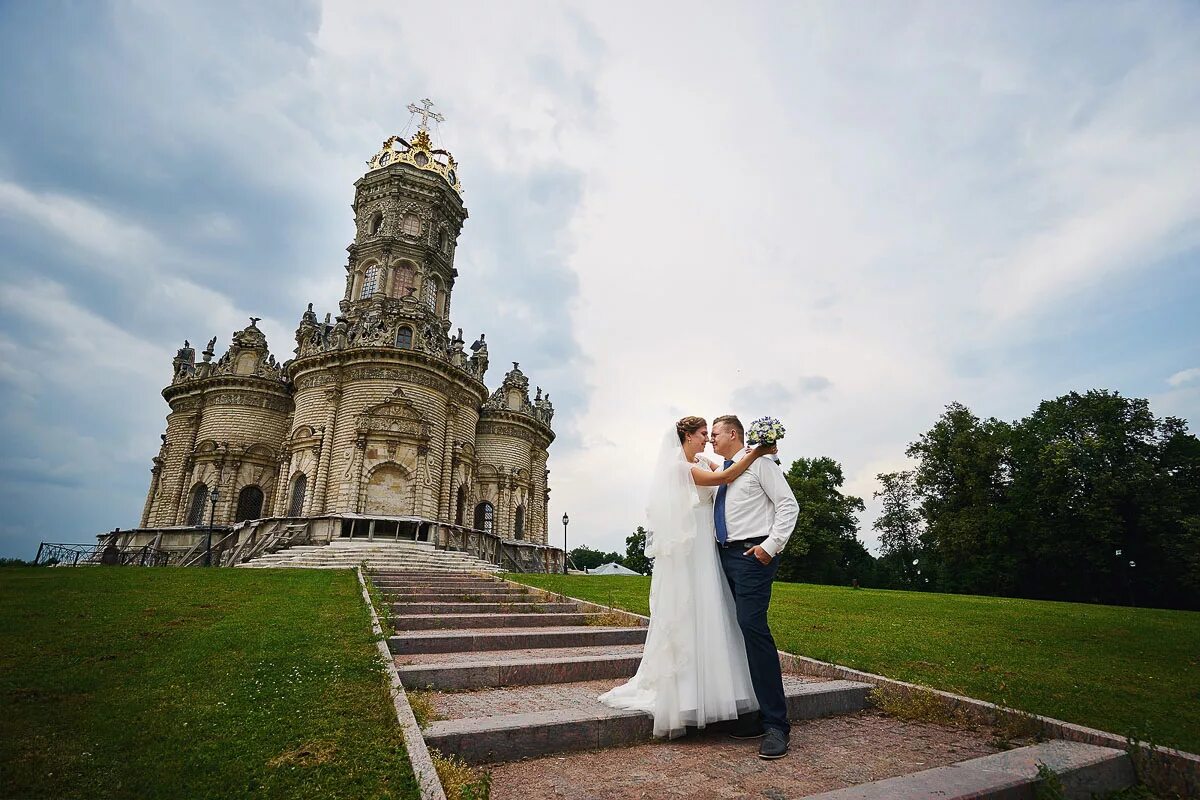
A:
(611, 619)
(310, 754)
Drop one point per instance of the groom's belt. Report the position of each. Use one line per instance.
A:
(744, 544)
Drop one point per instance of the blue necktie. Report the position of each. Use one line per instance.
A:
(719, 509)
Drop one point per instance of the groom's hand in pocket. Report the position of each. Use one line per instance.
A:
(763, 556)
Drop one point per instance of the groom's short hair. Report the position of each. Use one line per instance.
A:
(733, 422)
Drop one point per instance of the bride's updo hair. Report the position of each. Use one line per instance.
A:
(688, 425)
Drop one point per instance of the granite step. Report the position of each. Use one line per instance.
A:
(426, 622)
(499, 725)
(1085, 771)
(518, 655)
(472, 591)
(569, 667)
(456, 597)
(481, 607)
(463, 641)
(416, 573)
(479, 589)
(437, 583)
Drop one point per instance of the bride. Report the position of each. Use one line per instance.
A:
(693, 669)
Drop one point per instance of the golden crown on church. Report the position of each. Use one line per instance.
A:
(418, 152)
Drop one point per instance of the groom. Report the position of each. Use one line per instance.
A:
(754, 517)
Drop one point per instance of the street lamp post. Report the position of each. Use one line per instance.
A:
(1125, 572)
(212, 498)
(566, 520)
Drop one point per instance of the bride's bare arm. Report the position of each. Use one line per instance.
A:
(704, 477)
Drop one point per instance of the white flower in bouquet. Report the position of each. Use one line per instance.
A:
(765, 431)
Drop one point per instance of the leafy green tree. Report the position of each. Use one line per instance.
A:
(635, 552)
(824, 547)
(1098, 473)
(1090, 498)
(963, 478)
(900, 527)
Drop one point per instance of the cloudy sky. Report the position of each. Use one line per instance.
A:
(846, 215)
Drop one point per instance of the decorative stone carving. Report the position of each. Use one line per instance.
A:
(247, 355)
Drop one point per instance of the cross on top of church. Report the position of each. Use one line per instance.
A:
(425, 113)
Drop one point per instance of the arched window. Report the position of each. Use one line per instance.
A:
(370, 282)
(404, 337)
(299, 485)
(403, 279)
(519, 523)
(429, 292)
(376, 223)
(196, 505)
(443, 241)
(460, 510)
(249, 505)
(484, 517)
(410, 224)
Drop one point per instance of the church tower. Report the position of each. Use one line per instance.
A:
(382, 423)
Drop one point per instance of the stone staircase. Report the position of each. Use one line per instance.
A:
(510, 676)
(377, 554)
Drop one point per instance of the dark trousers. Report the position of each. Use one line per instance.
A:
(750, 582)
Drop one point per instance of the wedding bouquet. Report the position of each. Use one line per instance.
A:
(766, 431)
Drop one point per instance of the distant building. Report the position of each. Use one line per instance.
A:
(612, 569)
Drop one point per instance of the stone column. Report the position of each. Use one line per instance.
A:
(178, 493)
(283, 475)
(354, 486)
(536, 509)
(445, 512)
(389, 277)
(324, 465)
(183, 495)
(227, 502)
(310, 489)
(155, 476)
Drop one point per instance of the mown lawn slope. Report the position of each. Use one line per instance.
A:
(155, 683)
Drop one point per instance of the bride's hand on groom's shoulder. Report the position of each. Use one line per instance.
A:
(762, 450)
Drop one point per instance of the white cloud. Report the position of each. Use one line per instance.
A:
(1184, 377)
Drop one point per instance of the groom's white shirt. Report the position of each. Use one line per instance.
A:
(760, 503)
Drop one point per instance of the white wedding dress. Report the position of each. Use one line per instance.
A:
(693, 669)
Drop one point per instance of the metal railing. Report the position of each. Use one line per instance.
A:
(61, 554)
(511, 554)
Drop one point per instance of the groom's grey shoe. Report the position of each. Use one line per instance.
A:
(748, 728)
(775, 745)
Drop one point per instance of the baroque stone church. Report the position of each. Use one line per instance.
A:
(383, 412)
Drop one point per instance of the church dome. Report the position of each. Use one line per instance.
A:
(418, 152)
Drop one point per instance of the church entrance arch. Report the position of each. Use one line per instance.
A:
(387, 491)
(249, 504)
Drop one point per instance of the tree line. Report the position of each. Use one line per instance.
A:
(1090, 498)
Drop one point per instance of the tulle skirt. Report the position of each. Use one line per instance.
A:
(693, 669)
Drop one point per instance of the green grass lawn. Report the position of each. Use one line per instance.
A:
(1124, 670)
(156, 683)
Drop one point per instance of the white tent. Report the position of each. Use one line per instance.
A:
(612, 569)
